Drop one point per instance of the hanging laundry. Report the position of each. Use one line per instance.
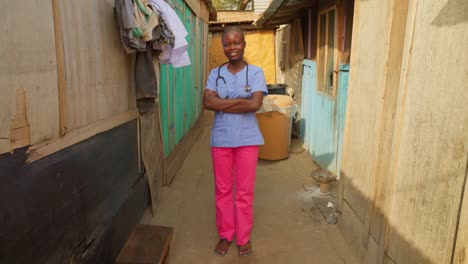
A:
(146, 86)
(176, 55)
(145, 20)
(124, 12)
(163, 40)
(138, 22)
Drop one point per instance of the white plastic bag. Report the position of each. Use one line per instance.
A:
(281, 103)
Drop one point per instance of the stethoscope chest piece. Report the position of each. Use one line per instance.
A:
(247, 89)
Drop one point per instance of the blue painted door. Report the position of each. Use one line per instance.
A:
(341, 111)
(322, 118)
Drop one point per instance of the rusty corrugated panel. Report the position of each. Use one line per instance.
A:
(283, 12)
(228, 17)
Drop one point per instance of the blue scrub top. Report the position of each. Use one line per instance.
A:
(236, 130)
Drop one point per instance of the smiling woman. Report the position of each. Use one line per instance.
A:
(235, 140)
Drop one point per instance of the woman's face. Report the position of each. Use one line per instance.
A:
(233, 45)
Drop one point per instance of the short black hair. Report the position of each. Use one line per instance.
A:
(232, 29)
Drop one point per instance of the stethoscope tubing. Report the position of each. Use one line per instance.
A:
(246, 88)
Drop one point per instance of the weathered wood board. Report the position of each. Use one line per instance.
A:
(405, 153)
(28, 62)
(364, 107)
(431, 132)
(73, 203)
(98, 73)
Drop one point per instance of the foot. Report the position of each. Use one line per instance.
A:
(245, 250)
(222, 247)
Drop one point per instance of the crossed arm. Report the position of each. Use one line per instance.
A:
(212, 101)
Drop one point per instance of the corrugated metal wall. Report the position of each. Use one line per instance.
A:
(322, 118)
(180, 91)
(260, 6)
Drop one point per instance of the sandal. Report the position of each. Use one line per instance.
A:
(222, 247)
(245, 250)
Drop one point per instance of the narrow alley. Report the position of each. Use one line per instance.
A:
(288, 226)
(107, 107)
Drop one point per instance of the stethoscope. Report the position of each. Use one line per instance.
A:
(246, 88)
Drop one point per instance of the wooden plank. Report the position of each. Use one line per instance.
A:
(320, 57)
(365, 137)
(428, 162)
(20, 129)
(198, 44)
(106, 243)
(388, 260)
(348, 114)
(201, 67)
(372, 251)
(61, 72)
(195, 6)
(206, 54)
(128, 216)
(172, 118)
(152, 154)
(178, 105)
(98, 73)
(204, 13)
(460, 249)
(336, 54)
(187, 83)
(392, 237)
(384, 127)
(419, 181)
(377, 226)
(347, 28)
(147, 244)
(44, 149)
(193, 72)
(27, 66)
(366, 83)
(65, 203)
(351, 228)
(168, 116)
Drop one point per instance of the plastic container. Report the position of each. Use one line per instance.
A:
(276, 131)
(278, 88)
(275, 123)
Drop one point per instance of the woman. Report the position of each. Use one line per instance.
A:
(235, 92)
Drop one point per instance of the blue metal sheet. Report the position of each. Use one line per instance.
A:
(322, 118)
(341, 110)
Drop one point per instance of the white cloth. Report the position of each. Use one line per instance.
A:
(178, 54)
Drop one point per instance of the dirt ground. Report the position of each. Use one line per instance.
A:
(288, 227)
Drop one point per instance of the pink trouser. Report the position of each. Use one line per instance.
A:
(234, 210)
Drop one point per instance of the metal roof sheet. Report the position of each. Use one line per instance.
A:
(235, 17)
(283, 12)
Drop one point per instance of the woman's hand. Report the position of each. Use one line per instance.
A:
(212, 101)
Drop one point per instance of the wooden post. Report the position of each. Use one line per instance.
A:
(61, 73)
